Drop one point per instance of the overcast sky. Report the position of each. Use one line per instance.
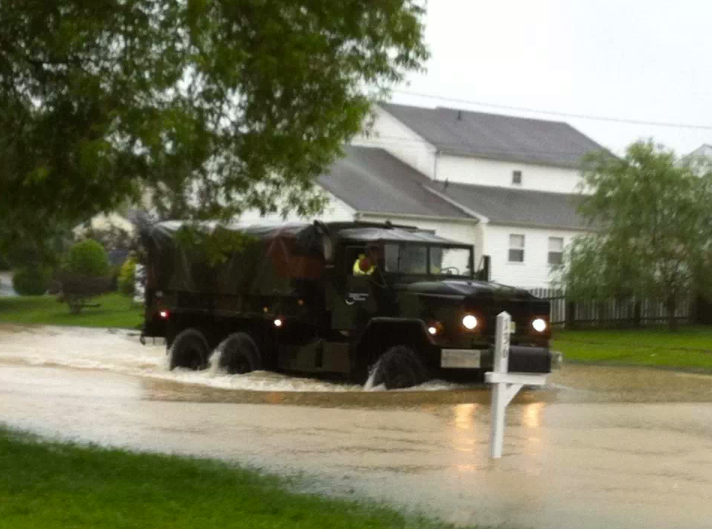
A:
(632, 59)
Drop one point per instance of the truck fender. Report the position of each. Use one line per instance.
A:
(382, 333)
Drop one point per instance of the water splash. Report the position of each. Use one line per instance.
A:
(120, 352)
(369, 385)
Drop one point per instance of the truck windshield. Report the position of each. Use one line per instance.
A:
(413, 259)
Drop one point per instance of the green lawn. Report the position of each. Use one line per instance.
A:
(689, 348)
(115, 311)
(44, 485)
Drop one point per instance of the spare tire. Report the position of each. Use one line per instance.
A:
(189, 349)
(399, 367)
(239, 354)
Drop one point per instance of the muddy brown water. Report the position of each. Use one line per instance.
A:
(597, 447)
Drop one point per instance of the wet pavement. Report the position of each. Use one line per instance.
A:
(598, 447)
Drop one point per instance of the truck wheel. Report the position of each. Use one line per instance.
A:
(399, 367)
(239, 354)
(189, 349)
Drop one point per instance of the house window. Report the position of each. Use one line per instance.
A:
(516, 248)
(556, 250)
(517, 177)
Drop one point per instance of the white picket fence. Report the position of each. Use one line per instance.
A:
(594, 313)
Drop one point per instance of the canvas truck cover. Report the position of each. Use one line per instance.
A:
(272, 257)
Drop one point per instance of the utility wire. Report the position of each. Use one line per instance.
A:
(560, 114)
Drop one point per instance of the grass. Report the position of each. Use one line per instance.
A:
(689, 348)
(51, 485)
(115, 311)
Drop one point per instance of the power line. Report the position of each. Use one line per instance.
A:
(560, 114)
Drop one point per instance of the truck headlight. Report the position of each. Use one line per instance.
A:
(539, 325)
(469, 322)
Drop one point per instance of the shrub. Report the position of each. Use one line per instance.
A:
(76, 289)
(114, 273)
(85, 274)
(87, 258)
(127, 277)
(31, 280)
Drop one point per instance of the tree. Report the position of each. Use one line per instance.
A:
(87, 258)
(653, 217)
(212, 106)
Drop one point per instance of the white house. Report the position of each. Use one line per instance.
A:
(507, 185)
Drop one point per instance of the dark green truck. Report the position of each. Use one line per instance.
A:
(346, 298)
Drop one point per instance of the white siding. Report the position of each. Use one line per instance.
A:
(479, 171)
(534, 272)
(335, 210)
(480, 243)
(464, 232)
(390, 134)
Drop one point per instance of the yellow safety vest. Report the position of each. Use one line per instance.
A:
(357, 269)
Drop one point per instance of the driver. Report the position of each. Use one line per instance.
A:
(367, 263)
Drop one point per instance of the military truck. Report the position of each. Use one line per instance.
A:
(338, 298)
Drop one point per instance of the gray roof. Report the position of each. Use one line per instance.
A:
(496, 137)
(517, 206)
(704, 150)
(370, 179)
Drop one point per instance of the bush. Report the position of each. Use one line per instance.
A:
(127, 277)
(87, 258)
(85, 274)
(114, 273)
(31, 281)
(76, 289)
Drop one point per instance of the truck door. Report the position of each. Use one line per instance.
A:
(357, 305)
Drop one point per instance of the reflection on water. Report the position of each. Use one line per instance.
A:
(466, 431)
(464, 419)
(531, 414)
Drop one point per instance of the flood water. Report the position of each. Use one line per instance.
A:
(598, 447)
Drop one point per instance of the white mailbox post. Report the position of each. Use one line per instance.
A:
(505, 385)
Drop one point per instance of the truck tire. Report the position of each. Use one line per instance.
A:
(189, 349)
(399, 367)
(239, 354)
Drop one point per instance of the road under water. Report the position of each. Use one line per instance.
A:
(597, 447)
